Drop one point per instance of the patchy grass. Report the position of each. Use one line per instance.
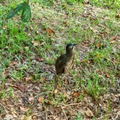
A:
(29, 50)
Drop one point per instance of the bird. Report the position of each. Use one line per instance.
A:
(64, 62)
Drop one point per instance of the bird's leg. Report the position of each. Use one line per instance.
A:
(66, 79)
(56, 81)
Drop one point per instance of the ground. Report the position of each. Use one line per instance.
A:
(91, 91)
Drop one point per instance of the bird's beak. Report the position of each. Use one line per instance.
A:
(74, 44)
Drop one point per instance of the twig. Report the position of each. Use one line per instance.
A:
(72, 104)
(46, 115)
(64, 112)
(3, 107)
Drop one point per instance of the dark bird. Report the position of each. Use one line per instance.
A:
(64, 63)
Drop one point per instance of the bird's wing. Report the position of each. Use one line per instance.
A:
(60, 64)
(60, 61)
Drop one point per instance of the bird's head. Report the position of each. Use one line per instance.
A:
(69, 47)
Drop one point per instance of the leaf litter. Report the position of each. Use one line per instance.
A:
(35, 100)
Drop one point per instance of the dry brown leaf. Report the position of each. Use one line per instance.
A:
(13, 63)
(57, 118)
(34, 117)
(113, 41)
(75, 94)
(107, 75)
(97, 45)
(39, 59)
(83, 92)
(100, 35)
(89, 113)
(20, 87)
(113, 38)
(117, 16)
(27, 79)
(49, 31)
(115, 60)
(40, 99)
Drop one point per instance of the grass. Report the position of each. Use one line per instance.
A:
(79, 117)
(20, 57)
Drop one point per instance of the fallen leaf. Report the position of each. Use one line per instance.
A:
(76, 94)
(100, 35)
(115, 60)
(106, 74)
(113, 38)
(20, 87)
(34, 117)
(49, 31)
(28, 79)
(113, 41)
(39, 59)
(40, 99)
(83, 92)
(57, 118)
(13, 63)
(97, 45)
(117, 16)
(89, 113)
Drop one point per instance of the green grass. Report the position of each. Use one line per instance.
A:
(19, 56)
(79, 117)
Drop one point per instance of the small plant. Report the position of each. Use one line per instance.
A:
(26, 11)
(95, 86)
(1, 110)
(79, 117)
(6, 93)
